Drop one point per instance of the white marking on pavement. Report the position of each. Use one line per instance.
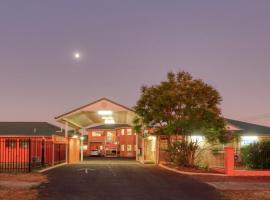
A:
(86, 170)
(111, 170)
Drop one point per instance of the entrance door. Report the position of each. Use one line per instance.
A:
(150, 149)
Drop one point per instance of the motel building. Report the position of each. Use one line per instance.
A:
(105, 128)
(101, 128)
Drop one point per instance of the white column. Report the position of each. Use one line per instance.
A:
(137, 143)
(66, 136)
(143, 149)
(81, 139)
(157, 149)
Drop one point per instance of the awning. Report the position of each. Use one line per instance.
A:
(102, 111)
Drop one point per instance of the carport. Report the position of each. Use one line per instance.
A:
(98, 113)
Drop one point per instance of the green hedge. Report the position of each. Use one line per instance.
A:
(257, 155)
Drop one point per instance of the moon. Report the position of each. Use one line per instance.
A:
(77, 55)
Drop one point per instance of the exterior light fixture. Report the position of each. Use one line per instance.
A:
(75, 136)
(104, 112)
(196, 138)
(109, 121)
(82, 138)
(245, 140)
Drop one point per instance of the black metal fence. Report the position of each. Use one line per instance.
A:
(19, 154)
(253, 160)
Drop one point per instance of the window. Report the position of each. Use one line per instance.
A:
(118, 132)
(122, 131)
(122, 147)
(129, 147)
(11, 143)
(109, 136)
(23, 143)
(135, 147)
(96, 134)
(129, 131)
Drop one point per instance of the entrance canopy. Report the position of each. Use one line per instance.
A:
(102, 111)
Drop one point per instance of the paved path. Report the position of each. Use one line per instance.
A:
(122, 181)
(19, 184)
(240, 185)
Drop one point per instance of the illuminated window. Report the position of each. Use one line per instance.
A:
(129, 147)
(122, 131)
(109, 136)
(122, 147)
(10, 143)
(129, 131)
(96, 134)
(24, 143)
(246, 140)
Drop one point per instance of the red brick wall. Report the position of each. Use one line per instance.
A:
(117, 137)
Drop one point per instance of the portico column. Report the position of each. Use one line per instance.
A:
(157, 149)
(66, 136)
(81, 139)
(143, 149)
(136, 150)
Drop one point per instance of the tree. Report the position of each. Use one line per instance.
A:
(182, 105)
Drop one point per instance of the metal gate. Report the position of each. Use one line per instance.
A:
(19, 154)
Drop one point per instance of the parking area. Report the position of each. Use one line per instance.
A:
(121, 179)
(108, 160)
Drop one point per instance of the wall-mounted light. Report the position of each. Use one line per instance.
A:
(245, 140)
(75, 136)
(197, 138)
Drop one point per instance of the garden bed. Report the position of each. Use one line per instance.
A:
(186, 169)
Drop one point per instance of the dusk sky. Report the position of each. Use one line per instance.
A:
(126, 44)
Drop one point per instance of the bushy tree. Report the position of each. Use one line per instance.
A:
(182, 105)
(257, 155)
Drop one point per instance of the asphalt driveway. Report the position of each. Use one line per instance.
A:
(126, 180)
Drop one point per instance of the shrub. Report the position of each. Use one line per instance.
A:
(182, 152)
(257, 155)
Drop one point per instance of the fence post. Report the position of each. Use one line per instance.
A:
(29, 155)
(229, 160)
(43, 153)
(52, 153)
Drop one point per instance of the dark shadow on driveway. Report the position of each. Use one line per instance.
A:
(128, 181)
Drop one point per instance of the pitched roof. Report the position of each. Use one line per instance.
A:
(249, 128)
(110, 126)
(28, 129)
(104, 98)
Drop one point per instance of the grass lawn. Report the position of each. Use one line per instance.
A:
(16, 193)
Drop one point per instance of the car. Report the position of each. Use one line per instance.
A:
(95, 153)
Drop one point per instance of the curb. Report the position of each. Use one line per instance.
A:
(52, 167)
(189, 173)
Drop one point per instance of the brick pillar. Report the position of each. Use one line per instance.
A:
(229, 160)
